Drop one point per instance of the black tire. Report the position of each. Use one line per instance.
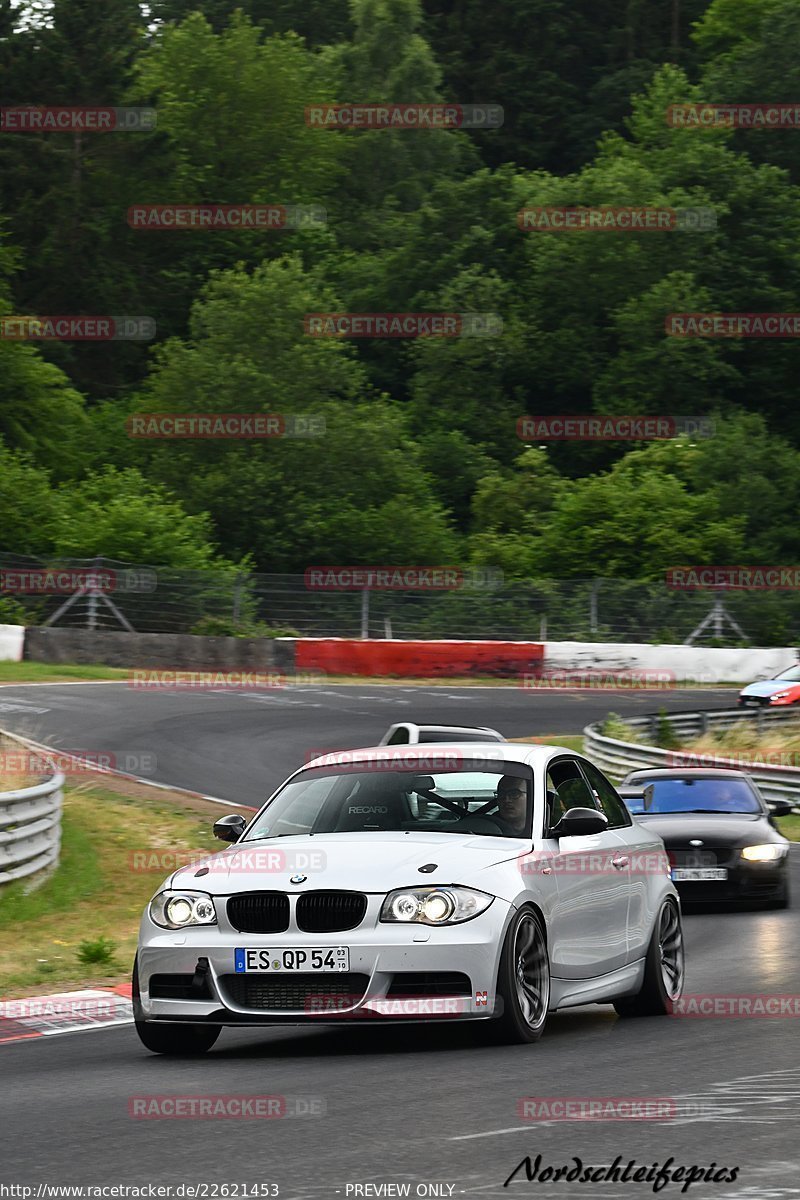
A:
(170, 1038)
(523, 981)
(663, 969)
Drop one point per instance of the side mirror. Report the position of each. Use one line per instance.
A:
(780, 808)
(578, 822)
(230, 827)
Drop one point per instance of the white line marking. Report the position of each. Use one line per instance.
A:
(83, 1029)
(467, 1137)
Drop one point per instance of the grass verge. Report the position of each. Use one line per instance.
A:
(34, 672)
(572, 741)
(99, 889)
(789, 827)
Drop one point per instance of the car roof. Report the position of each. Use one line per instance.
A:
(443, 726)
(525, 754)
(687, 773)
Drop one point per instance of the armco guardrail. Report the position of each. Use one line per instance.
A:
(30, 829)
(617, 758)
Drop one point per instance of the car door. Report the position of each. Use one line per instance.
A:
(589, 933)
(647, 863)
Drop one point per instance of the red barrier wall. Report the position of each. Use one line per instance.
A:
(345, 656)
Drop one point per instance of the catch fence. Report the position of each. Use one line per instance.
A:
(154, 599)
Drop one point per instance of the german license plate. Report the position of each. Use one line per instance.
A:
(752, 704)
(287, 960)
(683, 874)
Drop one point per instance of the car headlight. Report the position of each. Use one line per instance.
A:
(770, 852)
(780, 695)
(178, 910)
(434, 905)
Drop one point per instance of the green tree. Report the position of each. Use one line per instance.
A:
(65, 193)
(391, 170)
(123, 516)
(27, 504)
(317, 21)
(562, 69)
(756, 62)
(357, 494)
(39, 411)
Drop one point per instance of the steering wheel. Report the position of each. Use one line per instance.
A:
(468, 825)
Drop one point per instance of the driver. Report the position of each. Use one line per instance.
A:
(512, 804)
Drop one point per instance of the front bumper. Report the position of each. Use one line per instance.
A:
(380, 956)
(746, 882)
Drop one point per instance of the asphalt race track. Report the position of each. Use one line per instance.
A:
(238, 746)
(430, 1105)
(421, 1106)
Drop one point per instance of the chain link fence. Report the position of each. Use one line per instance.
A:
(104, 594)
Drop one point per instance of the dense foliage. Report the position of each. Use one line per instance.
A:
(421, 461)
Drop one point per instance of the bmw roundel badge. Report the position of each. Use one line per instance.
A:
(298, 879)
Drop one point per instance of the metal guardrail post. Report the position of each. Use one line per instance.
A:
(617, 758)
(30, 829)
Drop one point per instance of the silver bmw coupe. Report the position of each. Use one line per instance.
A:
(485, 882)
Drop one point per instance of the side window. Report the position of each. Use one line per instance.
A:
(398, 738)
(609, 802)
(566, 788)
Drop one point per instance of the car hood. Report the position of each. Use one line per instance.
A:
(727, 829)
(364, 862)
(767, 687)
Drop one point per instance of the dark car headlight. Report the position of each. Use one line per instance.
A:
(434, 905)
(180, 910)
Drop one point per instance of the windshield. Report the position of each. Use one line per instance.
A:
(693, 795)
(495, 802)
(792, 675)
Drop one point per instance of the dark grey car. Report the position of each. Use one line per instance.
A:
(719, 832)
